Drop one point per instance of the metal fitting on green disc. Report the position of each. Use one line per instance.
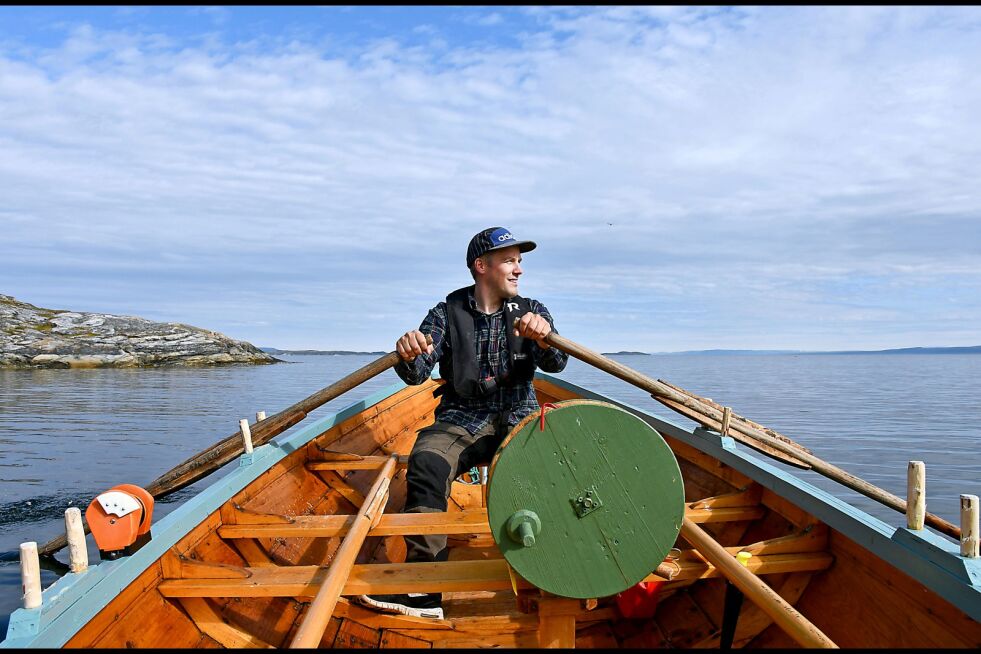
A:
(523, 526)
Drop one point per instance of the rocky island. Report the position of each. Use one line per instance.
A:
(32, 337)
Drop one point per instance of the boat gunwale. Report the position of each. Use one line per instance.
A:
(928, 558)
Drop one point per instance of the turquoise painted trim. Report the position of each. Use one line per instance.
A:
(929, 558)
(69, 603)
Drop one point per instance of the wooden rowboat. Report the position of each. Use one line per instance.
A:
(249, 561)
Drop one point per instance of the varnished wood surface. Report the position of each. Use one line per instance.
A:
(246, 575)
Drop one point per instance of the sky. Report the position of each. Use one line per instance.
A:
(695, 177)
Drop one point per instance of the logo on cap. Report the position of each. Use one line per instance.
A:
(501, 235)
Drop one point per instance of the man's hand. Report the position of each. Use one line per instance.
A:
(412, 344)
(532, 325)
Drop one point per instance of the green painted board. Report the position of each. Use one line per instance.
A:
(605, 488)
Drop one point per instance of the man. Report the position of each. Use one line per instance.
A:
(488, 363)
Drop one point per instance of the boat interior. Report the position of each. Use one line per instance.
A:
(247, 575)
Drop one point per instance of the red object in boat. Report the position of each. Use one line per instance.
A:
(639, 601)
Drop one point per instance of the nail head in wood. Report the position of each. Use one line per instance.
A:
(969, 526)
(246, 435)
(78, 553)
(915, 495)
(30, 574)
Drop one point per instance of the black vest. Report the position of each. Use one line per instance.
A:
(458, 365)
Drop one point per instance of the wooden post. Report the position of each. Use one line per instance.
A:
(260, 416)
(969, 526)
(915, 495)
(311, 630)
(786, 616)
(243, 425)
(726, 417)
(557, 622)
(30, 575)
(78, 553)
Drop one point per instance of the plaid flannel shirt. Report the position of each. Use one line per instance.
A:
(492, 359)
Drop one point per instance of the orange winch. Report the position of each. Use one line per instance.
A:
(120, 520)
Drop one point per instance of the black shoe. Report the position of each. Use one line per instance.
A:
(420, 605)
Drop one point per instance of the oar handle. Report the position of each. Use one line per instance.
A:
(656, 388)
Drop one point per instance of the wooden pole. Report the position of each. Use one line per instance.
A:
(726, 417)
(30, 575)
(78, 553)
(214, 457)
(658, 389)
(243, 427)
(915, 495)
(260, 416)
(969, 526)
(786, 616)
(311, 631)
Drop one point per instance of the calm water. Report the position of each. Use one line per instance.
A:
(66, 435)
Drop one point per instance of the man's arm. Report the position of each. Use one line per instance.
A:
(418, 367)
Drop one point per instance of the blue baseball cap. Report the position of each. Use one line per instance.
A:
(494, 238)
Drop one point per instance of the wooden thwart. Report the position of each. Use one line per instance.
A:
(443, 577)
(467, 521)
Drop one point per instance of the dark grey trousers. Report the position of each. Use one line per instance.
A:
(441, 453)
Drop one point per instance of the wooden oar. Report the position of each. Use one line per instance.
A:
(207, 461)
(744, 428)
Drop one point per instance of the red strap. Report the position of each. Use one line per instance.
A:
(541, 420)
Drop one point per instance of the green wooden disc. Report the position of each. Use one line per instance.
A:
(606, 491)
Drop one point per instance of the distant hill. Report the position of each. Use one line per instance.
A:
(972, 349)
(273, 350)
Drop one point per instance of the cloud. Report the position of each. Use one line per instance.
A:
(768, 160)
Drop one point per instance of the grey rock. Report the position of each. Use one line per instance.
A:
(32, 337)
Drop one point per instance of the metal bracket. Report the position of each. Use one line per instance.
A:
(586, 501)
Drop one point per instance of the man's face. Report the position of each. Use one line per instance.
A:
(501, 271)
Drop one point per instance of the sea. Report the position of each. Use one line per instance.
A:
(67, 435)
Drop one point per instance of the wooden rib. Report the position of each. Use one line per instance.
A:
(210, 622)
(467, 521)
(336, 482)
(358, 463)
(252, 552)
